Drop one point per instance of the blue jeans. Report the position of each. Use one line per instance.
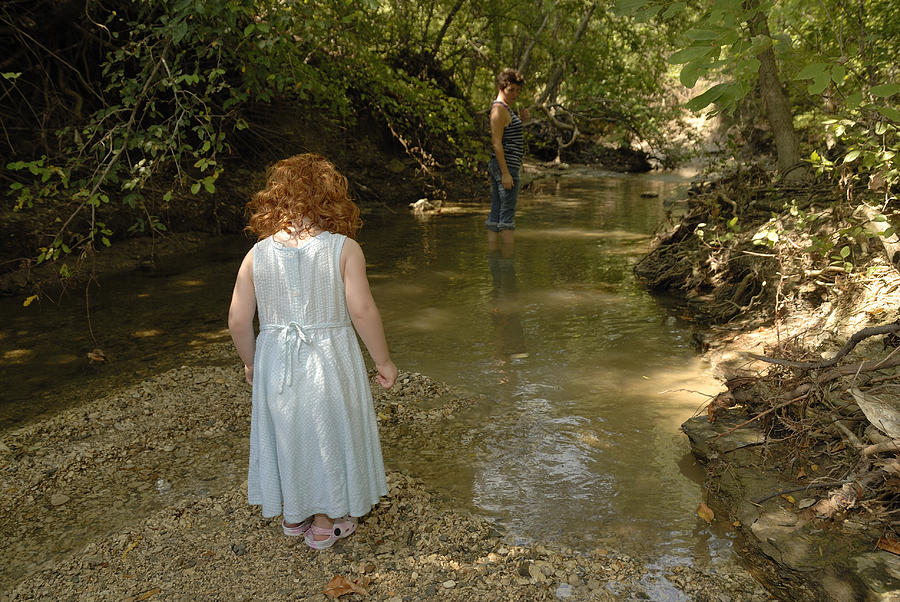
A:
(503, 201)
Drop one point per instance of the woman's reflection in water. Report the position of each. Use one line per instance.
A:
(509, 338)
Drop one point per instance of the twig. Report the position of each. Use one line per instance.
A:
(853, 342)
(805, 488)
(877, 448)
(761, 414)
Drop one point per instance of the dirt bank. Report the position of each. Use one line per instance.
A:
(801, 448)
(140, 495)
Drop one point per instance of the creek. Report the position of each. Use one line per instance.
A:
(582, 378)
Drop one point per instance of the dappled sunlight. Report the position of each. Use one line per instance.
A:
(566, 298)
(61, 359)
(575, 233)
(204, 338)
(670, 394)
(18, 356)
(457, 210)
(395, 288)
(190, 283)
(431, 319)
(146, 334)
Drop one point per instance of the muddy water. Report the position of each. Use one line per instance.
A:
(584, 378)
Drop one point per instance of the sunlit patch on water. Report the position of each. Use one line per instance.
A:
(18, 356)
(586, 377)
(191, 283)
(150, 332)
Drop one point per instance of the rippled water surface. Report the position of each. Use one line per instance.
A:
(586, 377)
(583, 377)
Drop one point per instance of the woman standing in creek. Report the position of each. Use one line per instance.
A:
(508, 147)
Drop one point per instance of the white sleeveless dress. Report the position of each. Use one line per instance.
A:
(314, 444)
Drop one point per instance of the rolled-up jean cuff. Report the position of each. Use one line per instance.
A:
(509, 226)
(492, 226)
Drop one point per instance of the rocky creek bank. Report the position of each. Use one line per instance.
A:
(802, 447)
(141, 495)
(812, 514)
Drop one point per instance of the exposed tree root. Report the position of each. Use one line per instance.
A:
(835, 422)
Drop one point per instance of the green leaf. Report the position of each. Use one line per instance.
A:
(647, 13)
(854, 99)
(691, 53)
(852, 156)
(710, 96)
(179, 32)
(885, 90)
(195, 187)
(845, 251)
(819, 84)
(703, 34)
(812, 71)
(674, 8)
(838, 73)
(29, 300)
(892, 114)
(624, 8)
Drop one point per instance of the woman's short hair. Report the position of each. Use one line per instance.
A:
(509, 76)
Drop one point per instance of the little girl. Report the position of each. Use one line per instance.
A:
(315, 457)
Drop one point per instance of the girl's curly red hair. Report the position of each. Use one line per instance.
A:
(303, 192)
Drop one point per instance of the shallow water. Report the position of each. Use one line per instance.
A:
(584, 378)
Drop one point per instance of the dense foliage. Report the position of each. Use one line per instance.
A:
(828, 84)
(114, 115)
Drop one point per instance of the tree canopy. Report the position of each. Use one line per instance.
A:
(114, 113)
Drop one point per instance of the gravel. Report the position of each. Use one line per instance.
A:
(141, 495)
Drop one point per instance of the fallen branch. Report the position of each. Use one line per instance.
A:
(772, 409)
(853, 342)
(891, 445)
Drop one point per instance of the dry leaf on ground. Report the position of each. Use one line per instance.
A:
(889, 544)
(339, 585)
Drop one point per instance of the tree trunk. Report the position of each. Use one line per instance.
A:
(440, 37)
(775, 99)
(556, 76)
(526, 56)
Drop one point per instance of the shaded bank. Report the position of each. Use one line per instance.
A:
(794, 453)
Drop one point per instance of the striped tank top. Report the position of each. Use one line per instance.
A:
(513, 143)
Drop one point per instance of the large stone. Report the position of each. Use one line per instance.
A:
(796, 556)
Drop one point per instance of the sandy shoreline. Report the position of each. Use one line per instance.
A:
(141, 495)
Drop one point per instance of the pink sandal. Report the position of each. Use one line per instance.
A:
(343, 527)
(297, 531)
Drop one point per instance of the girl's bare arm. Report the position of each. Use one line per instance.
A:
(364, 313)
(240, 315)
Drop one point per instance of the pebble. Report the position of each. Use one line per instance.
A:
(59, 499)
(412, 546)
(564, 590)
